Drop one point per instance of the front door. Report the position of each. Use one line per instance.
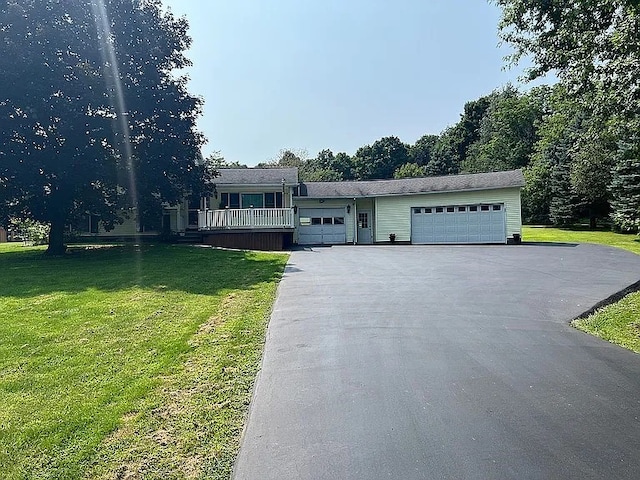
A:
(364, 226)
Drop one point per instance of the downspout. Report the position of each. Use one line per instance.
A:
(355, 222)
(374, 220)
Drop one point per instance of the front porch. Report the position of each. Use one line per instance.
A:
(246, 219)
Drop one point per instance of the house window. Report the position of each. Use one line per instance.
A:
(451, 209)
(255, 200)
(484, 208)
(439, 209)
(462, 209)
(338, 220)
(473, 208)
(427, 210)
(230, 200)
(496, 208)
(417, 211)
(251, 200)
(273, 200)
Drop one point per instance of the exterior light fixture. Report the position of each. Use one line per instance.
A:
(349, 208)
(283, 182)
(295, 209)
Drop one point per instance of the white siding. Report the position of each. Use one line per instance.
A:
(393, 214)
(339, 203)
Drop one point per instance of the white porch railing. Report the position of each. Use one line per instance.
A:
(245, 218)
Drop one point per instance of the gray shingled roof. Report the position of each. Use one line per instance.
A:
(451, 183)
(256, 176)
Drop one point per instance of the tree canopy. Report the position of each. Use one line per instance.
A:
(409, 170)
(593, 47)
(380, 159)
(93, 118)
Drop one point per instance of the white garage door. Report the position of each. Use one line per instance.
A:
(459, 224)
(322, 226)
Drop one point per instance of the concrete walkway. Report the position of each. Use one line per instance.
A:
(444, 362)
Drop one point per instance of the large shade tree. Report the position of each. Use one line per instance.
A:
(593, 47)
(92, 117)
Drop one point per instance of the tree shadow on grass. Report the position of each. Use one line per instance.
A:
(203, 271)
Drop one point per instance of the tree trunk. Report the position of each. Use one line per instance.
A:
(56, 238)
(593, 220)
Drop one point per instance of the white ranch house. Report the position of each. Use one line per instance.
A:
(271, 209)
(477, 208)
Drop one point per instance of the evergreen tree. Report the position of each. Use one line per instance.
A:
(536, 193)
(625, 187)
(564, 204)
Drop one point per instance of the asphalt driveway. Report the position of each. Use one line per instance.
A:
(411, 362)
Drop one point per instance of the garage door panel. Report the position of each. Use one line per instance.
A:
(459, 224)
(322, 226)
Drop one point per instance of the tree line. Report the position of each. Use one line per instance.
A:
(495, 132)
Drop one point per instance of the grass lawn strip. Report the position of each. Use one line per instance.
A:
(191, 426)
(89, 343)
(619, 322)
(603, 237)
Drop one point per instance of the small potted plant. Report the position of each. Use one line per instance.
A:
(392, 237)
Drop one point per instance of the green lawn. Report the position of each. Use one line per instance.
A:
(128, 362)
(618, 323)
(604, 237)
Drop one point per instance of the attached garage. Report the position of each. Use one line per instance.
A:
(459, 224)
(453, 209)
(322, 226)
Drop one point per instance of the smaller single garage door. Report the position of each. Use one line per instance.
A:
(322, 226)
(459, 224)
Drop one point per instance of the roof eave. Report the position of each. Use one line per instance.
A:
(411, 193)
(244, 184)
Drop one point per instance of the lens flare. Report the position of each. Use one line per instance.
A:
(114, 86)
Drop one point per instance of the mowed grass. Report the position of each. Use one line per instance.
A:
(603, 237)
(129, 362)
(619, 322)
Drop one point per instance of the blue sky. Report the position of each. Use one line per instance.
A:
(336, 74)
